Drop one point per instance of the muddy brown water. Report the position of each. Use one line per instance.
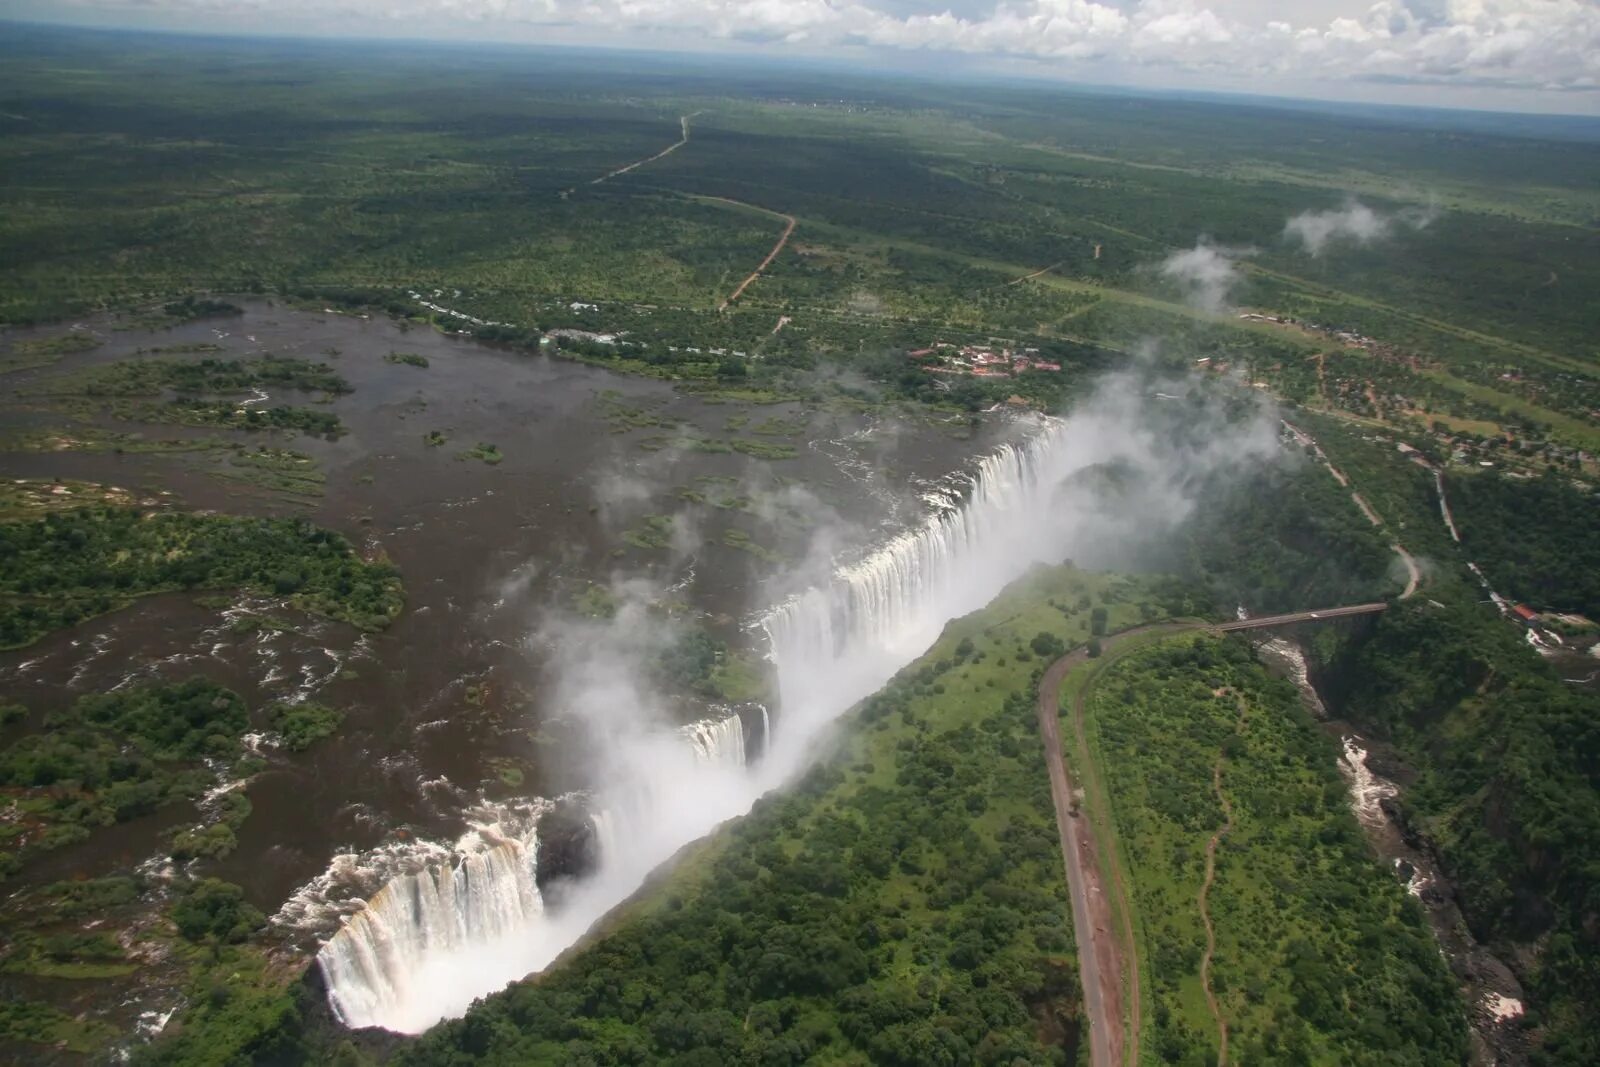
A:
(485, 552)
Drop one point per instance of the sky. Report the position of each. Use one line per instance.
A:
(1513, 55)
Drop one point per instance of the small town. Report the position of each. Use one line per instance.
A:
(980, 361)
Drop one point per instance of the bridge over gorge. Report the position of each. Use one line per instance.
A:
(1108, 962)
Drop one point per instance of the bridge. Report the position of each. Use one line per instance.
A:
(1319, 615)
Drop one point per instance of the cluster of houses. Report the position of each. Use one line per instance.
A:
(980, 361)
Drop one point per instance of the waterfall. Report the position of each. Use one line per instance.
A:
(385, 963)
(836, 645)
(408, 960)
(719, 740)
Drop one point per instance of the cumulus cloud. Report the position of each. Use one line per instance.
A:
(1355, 222)
(1528, 44)
(1206, 273)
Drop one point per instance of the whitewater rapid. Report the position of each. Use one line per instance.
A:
(435, 939)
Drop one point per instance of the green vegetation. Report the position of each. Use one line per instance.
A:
(304, 724)
(487, 453)
(745, 445)
(43, 351)
(924, 214)
(205, 377)
(595, 601)
(217, 835)
(1537, 539)
(198, 393)
(734, 537)
(70, 956)
(212, 910)
(113, 757)
(279, 470)
(36, 1023)
(1320, 956)
(69, 565)
(191, 308)
(905, 903)
(653, 533)
(92, 896)
(141, 171)
(409, 359)
(1308, 545)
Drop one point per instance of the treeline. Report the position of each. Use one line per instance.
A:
(1508, 758)
(70, 565)
(1537, 539)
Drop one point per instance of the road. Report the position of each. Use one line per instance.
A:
(683, 123)
(783, 239)
(1099, 970)
(1102, 956)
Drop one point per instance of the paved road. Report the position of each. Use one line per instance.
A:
(1101, 957)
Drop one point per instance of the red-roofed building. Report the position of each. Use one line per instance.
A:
(1525, 613)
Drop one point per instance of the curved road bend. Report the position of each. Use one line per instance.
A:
(1100, 955)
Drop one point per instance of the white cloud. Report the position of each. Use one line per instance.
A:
(1355, 223)
(1206, 273)
(1529, 44)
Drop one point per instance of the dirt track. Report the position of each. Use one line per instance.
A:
(783, 239)
(683, 123)
(1099, 961)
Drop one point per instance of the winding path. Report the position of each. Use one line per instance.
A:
(1413, 572)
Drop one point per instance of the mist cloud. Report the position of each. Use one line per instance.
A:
(1206, 273)
(1355, 223)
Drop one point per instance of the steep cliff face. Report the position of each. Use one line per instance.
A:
(1507, 760)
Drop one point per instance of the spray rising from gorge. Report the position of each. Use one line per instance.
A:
(434, 939)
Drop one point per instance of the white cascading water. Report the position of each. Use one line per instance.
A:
(836, 645)
(831, 646)
(382, 963)
(717, 741)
